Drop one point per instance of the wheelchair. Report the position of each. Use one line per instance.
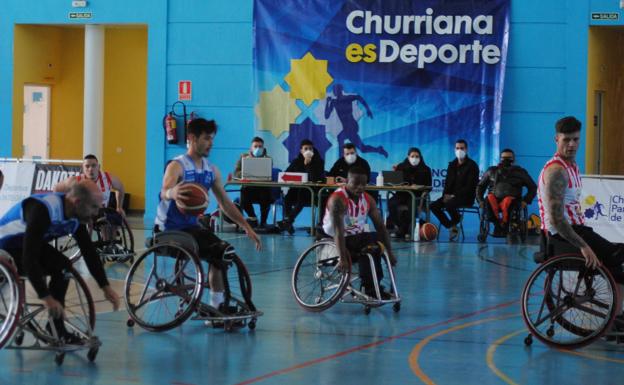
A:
(566, 304)
(318, 284)
(165, 286)
(26, 325)
(517, 225)
(112, 238)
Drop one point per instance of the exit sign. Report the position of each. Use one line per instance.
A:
(605, 16)
(80, 15)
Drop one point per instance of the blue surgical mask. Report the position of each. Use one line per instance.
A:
(258, 151)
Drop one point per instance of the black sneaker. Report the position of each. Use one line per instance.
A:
(65, 336)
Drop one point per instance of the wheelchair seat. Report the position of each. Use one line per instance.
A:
(178, 238)
(551, 246)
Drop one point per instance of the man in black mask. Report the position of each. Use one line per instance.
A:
(504, 184)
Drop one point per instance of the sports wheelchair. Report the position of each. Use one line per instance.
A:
(567, 305)
(112, 238)
(318, 284)
(165, 286)
(517, 225)
(26, 324)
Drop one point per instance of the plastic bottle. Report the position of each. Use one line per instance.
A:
(379, 182)
(416, 237)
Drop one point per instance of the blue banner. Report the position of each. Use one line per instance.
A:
(385, 75)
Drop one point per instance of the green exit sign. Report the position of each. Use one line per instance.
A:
(605, 16)
(80, 15)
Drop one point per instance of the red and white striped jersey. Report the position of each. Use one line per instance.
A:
(571, 199)
(355, 217)
(105, 183)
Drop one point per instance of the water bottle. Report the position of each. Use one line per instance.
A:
(416, 236)
(379, 181)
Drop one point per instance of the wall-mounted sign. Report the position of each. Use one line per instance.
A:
(605, 16)
(80, 15)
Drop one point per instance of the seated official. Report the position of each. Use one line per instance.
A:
(415, 172)
(251, 195)
(309, 161)
(462, 176)
(345, 218)
(504, 183)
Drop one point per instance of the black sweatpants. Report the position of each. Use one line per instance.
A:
(355, 244)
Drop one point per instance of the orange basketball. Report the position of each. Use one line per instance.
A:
(195, 200)
(428, 232)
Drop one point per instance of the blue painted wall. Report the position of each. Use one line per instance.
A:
(210, 43)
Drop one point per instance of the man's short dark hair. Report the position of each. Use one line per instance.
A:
(200, 126)
(508, 150)
(91, 156)
(257, 139)
(567, 125)
(463, 141)
(349, 146)
(306, 142)
(358, 171)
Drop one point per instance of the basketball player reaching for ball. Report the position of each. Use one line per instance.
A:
(348, 209)
(193, 166)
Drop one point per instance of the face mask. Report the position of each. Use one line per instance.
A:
(257, 151)
(308, 154)
(350, 159)
(460, 154)
(506, 162)
(414, 160)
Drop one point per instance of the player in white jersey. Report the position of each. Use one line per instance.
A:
(345, 218)
(559, 192)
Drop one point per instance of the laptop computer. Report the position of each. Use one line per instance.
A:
(393, 178)
(256, 168)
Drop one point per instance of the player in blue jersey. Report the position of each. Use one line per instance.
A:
(193, 166)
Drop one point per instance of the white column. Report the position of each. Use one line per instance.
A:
(93, 137)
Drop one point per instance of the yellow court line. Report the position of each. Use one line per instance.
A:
(489, 357)
(415, 353)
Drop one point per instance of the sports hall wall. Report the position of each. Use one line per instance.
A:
(210, 42)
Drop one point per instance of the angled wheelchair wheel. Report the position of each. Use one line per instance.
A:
(238, 283)
(163, 287)
(68, 246)
(121, 247)
(316, 281)
(11, 300)
(567, 305)
(79, 311)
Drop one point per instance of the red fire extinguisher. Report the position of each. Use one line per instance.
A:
(171, 128)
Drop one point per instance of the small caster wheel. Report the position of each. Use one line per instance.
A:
(528, 340)
(550, 332)
(92, 353)
(19, 338)
(396, 307)
(130, 322)
(59, 358)
(367, 310)
(252, 324)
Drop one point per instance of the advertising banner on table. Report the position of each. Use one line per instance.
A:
(385, 75)
(17, 183)
(603, 206)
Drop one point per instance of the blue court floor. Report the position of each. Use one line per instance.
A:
(460, 323)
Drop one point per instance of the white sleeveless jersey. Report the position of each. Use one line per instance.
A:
(354, 219)
(105, 183)
(572, 196)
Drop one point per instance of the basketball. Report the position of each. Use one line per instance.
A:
(195, 200)
(428, 232)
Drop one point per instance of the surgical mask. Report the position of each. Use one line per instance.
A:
(257, 151)
(414, 160)
(308, 154)
(460, 154)
(350, 159)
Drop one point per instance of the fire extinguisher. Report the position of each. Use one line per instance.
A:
(170, 125)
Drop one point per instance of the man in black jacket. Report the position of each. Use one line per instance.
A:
(504, 184)
(350, 158)
(309, 160)
(462, 176)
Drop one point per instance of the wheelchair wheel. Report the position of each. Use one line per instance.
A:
(238, 283)
(68, 246)
(11, 301)
(523, 224)
(163, 287)
(121, 247)
(567, 305)
(79, 310)
(316, 281)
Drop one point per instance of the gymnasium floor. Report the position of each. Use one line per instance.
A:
(459, 324)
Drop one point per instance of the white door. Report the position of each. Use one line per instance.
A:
(36, 139)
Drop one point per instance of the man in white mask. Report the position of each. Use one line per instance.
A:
(462, 176)
(350, 159)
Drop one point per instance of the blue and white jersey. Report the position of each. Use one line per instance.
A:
(13, 227)
(168, 217)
